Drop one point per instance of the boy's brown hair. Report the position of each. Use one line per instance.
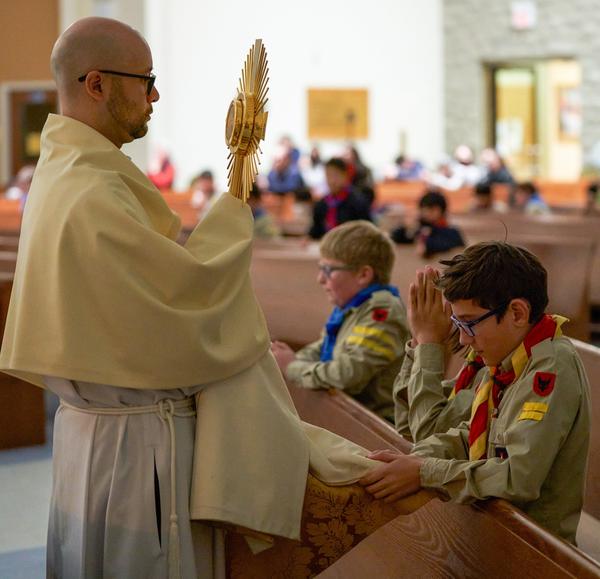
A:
(493, 273)
(358, 243)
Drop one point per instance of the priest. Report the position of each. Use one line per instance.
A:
(172, 406)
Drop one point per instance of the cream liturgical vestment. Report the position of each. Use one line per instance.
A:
(111, 313)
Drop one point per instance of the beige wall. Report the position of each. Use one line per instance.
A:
(28, 29)
(565, 157)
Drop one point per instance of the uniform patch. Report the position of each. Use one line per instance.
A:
(533, 411)
(380, 315)
(543, 383)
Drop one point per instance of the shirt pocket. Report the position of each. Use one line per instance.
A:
(497, 439)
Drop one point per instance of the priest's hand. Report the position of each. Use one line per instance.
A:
(399, 475)
(284, 355)
(428, 313)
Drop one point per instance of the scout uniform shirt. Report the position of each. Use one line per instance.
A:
(422, 398)
(366, 358)
(537, 445)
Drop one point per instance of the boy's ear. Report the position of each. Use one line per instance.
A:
(366, 274)
(519, 310)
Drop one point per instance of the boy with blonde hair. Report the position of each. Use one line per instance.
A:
(362, 345)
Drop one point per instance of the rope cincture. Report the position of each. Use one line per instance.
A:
(166, 410)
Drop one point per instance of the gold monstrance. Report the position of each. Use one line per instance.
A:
(246, 122)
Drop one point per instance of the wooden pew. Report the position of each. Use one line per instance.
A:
(284, 276)
(440, 539)
(9, 242)
(8, 261)
(590, 355)
(588, 535)
(481, 226)
(10, 215)
(22, 407)
(447, 540)
(555, 193)
(285, 282)
(181, 203)
(562, 228)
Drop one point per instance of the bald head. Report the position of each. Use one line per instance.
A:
(103, 73)
(93, 44)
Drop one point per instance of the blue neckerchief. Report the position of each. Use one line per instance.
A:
(336, 319)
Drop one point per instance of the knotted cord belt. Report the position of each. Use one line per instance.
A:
(166, 409)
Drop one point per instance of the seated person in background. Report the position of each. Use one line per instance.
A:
(529, 201)
(19, 188)
(464, 166)
(592, 206)
(431, 234)
(495, 170)
(161, 170)
(528, 436)
(460, 171)
(312, 169)
(286, 143)
(360, 175)
(203, 192)
(285, 176)
(361, 347)
(264, 225)
(407, 169)
(483, 200)
(341, 204)
(425, 403)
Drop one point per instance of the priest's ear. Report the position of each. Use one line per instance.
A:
(94, 85)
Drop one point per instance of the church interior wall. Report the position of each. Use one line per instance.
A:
(391, 48)
(477, 33)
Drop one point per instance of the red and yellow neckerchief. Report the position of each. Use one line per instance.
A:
(488, 394)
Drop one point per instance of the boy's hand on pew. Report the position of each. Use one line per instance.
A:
(398, 476)
(284, 355)
(428, 314)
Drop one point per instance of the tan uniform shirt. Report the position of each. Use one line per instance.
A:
(421, 402)
(366, 358)
(537, 446)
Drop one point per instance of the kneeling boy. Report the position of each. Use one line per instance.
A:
(528, 435)
(362, 345)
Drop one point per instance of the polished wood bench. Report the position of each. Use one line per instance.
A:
(511, 226)
(22, 406)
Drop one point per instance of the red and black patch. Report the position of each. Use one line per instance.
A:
(543, 383)
(380, 315)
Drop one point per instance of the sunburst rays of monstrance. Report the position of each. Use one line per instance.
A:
(246, 122)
